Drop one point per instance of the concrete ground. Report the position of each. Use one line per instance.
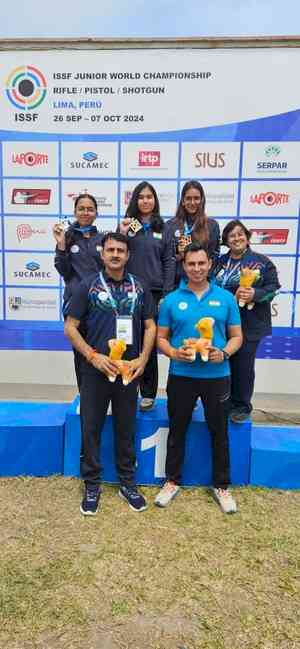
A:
(275, 409)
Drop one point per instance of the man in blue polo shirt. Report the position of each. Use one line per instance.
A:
(113, 304)
(188, 380)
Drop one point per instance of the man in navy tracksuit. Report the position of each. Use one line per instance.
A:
(111, 302)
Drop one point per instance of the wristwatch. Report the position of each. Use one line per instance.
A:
(226, 355)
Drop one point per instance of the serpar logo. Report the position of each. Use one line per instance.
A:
(30, 159)
(270, 199)
(26, 87)
(149, 158)
(32, 265)
(272, 151)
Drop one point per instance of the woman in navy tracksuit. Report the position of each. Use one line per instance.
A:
(152, 260)
(256, 320)
(191, 224)
(77, 253)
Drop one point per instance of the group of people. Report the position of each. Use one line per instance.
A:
(149, 283)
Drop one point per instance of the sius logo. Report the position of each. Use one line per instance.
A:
(149, 158)
(213, 160)
(30, 159)
(270, 199)
(32, 265)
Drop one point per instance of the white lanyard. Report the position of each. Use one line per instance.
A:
(111, 298)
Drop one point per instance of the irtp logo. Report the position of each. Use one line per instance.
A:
(30, 159)
(270, 198)
(30, 196)
(149, 158)
(214, 160)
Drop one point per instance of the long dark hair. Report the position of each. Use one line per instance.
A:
(70, 233)
(200, 230)
(156, 222)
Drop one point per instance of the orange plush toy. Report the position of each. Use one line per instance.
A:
(126, 368)
(203, 344)
(117, 349)
(248, 277)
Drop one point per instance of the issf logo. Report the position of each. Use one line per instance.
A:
(26, 87)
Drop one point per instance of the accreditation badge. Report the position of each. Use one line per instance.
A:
(124, 329)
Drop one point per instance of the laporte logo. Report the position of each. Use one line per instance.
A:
(30, 159)
(149, 158)
(30, 196)
(270, 199)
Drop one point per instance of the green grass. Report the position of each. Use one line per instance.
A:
(187, 577)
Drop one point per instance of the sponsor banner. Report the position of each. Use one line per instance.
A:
(297, 311)
(149, 159)
(270, 199)
(111, 92)
(105, 193)
(221, 198)
(29, 233)
(298, 275)
(166, 192)
(31, 196)
(1, 305)
(30, 269)
(30, 304)
(106, 225)
(286, 271)
(1, 272)
(282, 309)
(210, 159)
(30, 158)
(90, 160)
(271, 237)
(271, 159)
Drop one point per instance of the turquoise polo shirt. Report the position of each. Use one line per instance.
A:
(180, 312)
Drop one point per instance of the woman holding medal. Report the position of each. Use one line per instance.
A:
(77, 254)
(191, 224)
(152, 260)
(255, 312)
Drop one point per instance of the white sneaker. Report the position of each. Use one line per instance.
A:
(166, 494)
(224, 498)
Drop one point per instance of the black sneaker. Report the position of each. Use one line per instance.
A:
(90, 502)
(134, 499)
(239, 417)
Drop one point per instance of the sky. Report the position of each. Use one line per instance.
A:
(148, 18)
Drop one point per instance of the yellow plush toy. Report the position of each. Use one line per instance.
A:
(248, 277)
(203, 344)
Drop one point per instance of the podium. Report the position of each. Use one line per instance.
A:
(151, 440)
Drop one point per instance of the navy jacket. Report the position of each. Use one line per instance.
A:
(80, 259)
(256, 323)
(152, 259)
(213, 242)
